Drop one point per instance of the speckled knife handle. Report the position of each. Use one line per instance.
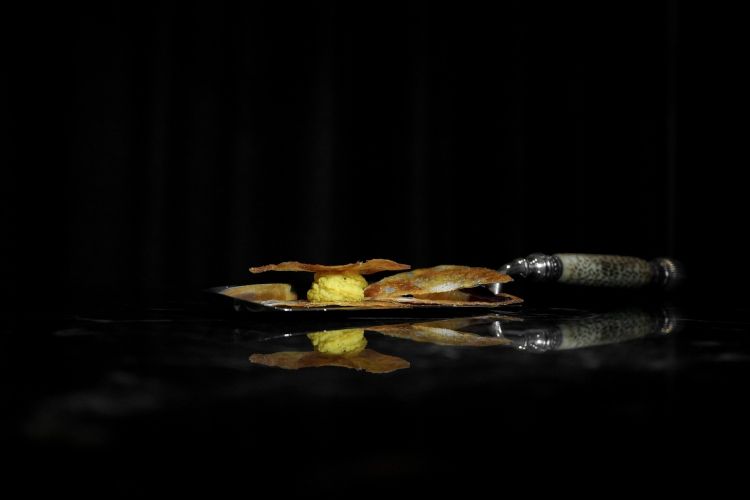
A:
(614, 271)
(605, 270)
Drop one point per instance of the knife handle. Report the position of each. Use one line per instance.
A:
(614, 271)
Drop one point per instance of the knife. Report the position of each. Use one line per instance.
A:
(612, 271)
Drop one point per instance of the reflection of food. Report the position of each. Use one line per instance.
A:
(339, 342)
(343, 348)
(346, 348)
(344, 285)
(368, 360)
(444, 332)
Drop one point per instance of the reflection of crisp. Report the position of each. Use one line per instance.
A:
(443, 332)
(342, 287)
(344, 348)
(368, 360)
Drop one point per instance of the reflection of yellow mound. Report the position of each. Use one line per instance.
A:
(345, 287)
(339, 342)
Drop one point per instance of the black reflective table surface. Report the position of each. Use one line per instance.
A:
(180, 398)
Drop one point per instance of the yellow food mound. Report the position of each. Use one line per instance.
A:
(346, 287)
(339, 341)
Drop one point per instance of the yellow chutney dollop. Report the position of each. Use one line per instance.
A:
(337, 287)
(339, 342)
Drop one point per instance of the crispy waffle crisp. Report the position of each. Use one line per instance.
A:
(443, 332)
(367, 267)
(434, 280)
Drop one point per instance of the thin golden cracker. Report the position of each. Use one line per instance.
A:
(434, 280)
(367, 267)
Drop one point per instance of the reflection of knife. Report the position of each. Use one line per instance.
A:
(614, 271)
(588, 331)
(532, 332)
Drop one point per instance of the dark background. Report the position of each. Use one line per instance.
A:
(157, 149)
(162, 148)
